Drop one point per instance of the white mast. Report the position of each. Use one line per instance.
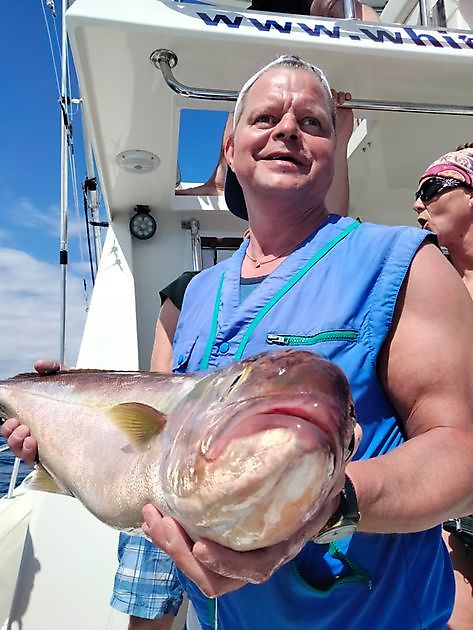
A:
(63, 254)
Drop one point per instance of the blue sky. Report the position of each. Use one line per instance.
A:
(30, 191)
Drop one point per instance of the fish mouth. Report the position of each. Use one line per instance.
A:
(313, 423)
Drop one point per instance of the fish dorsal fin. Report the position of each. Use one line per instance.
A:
(139, 421)
(40, 479)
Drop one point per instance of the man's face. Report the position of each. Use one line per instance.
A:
(448, 214)
(284, 141)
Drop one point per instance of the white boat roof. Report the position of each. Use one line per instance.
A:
(128, 106)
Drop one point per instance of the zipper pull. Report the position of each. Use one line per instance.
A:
(280, 340)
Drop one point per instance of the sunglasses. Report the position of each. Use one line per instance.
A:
(434, 185)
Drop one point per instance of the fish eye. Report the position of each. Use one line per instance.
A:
(350, 448)
(239, 379)
(234, 383)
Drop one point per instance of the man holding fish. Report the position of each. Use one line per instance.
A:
(362, 296)
(369, 553)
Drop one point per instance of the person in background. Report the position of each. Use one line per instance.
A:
(373, 556)
(338, 196)
(444, 205)
(334, 9)
(171, 304)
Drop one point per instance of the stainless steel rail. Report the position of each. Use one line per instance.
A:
(349, 9)
(166, 60)
(14, 472)
(196, 245)
(13, 477)
(423, 16)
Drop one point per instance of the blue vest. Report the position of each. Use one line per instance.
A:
(335, 295)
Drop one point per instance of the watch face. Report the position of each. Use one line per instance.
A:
(142, 226)
(335, 533)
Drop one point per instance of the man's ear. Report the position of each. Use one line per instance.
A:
(228, 150)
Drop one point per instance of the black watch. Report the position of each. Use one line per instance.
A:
(344, 521)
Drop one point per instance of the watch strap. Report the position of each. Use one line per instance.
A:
(344, 520)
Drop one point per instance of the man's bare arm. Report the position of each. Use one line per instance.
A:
(426, 366)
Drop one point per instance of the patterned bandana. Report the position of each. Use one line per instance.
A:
(457, 164)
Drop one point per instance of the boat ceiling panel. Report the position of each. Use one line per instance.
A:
(128, 105)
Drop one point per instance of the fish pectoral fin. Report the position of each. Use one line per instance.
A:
(40, 479)
(139, 421)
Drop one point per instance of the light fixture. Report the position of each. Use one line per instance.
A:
(138, 161)
(142, 224)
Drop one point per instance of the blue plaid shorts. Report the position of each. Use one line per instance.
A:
(146, 583)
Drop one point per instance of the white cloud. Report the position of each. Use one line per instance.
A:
(26, 213)
(30, 312)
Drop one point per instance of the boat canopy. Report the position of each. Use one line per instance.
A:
(133, 115)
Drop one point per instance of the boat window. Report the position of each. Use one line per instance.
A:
(200, 139)
(216, 249)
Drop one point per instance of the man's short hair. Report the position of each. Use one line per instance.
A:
(285, 61)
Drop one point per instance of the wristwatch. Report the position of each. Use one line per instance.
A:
(344, 521)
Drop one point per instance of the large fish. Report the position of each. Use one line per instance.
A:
(243, 455)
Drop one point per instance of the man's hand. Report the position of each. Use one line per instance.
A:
(18, 435)
(217, 570)
(345, 120)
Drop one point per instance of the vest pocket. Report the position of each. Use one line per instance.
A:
(348, 573)
(181, 355)
(281, 339)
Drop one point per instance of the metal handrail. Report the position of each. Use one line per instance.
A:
(349, 9)
(14, 472)
(13, 477)
(166, 60)
(423, 17)
(196, 245)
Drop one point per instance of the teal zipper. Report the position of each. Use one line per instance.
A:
(294, 340)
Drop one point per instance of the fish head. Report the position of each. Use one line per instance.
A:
(252, 451)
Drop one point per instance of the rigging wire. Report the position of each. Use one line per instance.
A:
(53, 58)
(68, 113)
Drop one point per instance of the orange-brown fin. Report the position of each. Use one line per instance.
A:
(139, 421)
(40, 479)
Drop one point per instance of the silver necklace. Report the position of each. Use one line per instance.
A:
(259, 263)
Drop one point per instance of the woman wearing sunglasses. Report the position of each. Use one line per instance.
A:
(444, 205)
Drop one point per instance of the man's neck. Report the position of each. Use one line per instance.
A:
(273, 234)
(272, 241)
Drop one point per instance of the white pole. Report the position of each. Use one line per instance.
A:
(64, 187)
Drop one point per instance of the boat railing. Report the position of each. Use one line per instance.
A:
(14, 472)
(165, 60)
